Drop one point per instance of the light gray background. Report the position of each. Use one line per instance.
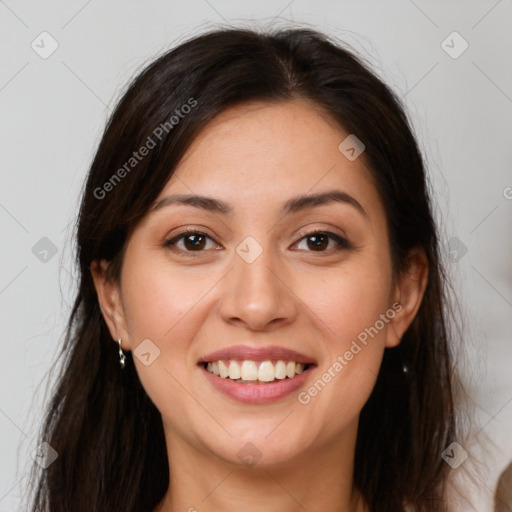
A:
(54, 110)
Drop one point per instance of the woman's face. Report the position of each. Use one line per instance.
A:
(267, 274)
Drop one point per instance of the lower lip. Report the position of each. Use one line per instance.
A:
(257, 393)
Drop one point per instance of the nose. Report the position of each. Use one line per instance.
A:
(257, 295)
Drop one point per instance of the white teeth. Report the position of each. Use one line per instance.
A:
(266, 372)
(223, 369)
(290, 369)
(234, 370)
(249, 371)
(263, 371)
(280, 370)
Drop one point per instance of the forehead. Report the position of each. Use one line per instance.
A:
(266, 152)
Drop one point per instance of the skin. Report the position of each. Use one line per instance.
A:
(255, 157)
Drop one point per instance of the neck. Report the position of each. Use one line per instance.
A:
(317, 480)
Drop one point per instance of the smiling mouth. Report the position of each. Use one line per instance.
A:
(256, 372)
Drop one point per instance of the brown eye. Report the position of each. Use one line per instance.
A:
(190, 241)
(319, 241)
(193, 242)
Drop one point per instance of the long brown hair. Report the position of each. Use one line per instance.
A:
(107, 433)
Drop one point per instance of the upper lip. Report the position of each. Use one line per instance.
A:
(245, 352)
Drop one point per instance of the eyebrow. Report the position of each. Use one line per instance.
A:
(293, 205)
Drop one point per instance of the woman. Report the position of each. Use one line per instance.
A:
(261, 321)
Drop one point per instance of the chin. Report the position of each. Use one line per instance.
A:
(260, 447)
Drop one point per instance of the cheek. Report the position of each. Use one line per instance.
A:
(163, 306)
(349, 302)
(353, 314)
(159, 300)
(168, 306)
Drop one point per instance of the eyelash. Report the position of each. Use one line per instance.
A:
(342, 243)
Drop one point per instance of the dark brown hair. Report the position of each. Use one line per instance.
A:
(107, 432)
(503, 495)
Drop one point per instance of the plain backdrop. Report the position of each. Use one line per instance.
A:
(448, 60)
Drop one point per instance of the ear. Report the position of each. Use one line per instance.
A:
(407, 294)
(109, 299)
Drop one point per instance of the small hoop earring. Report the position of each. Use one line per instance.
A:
(122, 357)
